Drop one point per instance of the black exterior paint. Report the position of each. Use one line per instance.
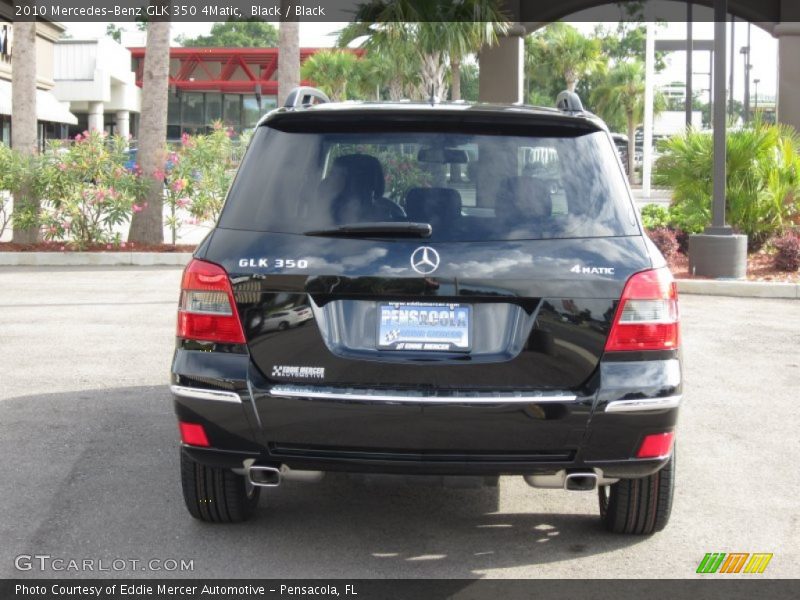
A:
(559, 321)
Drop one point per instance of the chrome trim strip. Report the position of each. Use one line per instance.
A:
(400, 397)
(643, 404)
(200, 394)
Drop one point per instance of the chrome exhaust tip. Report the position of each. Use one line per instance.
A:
(581, 482)
(264, 475)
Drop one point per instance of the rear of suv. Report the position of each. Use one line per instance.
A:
(429, 289)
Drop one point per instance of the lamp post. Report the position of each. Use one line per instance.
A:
(718, 252)
(745, 52)
(755, 104)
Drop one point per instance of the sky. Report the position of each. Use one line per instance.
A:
(763, 48)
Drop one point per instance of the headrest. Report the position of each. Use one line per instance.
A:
(362, 171)
(524, 197)
(432, 204)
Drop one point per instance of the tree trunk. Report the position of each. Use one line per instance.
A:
(631, 150)
(455, 79)
(395, 89)
(24, 130)
(572, 80)
(288, 59)
(147, 226)
(433, 74)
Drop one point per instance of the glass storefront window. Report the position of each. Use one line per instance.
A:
(5, 130)
(213, 107)
(268, 103)
(252, 113)
(173, 108)
(193, 112)
(233, 111)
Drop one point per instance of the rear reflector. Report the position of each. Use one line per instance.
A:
(207, 310)
(656, 445)
(193, 434)
(647, 315)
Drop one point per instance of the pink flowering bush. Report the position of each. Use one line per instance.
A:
(86, 190)
(197, 176)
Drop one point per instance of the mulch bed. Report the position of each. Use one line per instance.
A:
(124, 247)
(759, 268)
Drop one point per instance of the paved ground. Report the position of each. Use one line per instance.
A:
(88, 459)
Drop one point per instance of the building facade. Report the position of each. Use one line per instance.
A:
(54, 117)
(94, 77)
(233, 85)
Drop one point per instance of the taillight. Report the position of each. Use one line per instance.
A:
(647, 315)
(207, 311)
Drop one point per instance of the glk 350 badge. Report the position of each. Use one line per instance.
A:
(275, 263)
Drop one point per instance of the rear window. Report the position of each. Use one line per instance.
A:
(468, 187)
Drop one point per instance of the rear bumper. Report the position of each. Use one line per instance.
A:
(413, 432)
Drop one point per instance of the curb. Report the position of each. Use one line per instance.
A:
(95, 259)
(741, 289)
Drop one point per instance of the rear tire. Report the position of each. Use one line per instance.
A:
(216, 495)
(639, 506)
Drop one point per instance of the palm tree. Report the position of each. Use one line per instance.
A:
(147, 225)
(288, 59)
(24, 132)
(394, 66)
(335, 72)
(441, 33)
(567, 52)
(622, 95)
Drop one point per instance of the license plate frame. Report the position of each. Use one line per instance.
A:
(416, 327)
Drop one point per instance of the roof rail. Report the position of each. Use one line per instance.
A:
(305, 96)
(569, 102)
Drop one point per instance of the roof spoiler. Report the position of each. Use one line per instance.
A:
(305, 96)
(569, 102)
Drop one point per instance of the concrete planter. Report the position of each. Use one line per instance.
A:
(718, 256)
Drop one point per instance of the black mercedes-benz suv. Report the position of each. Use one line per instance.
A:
(429, 289)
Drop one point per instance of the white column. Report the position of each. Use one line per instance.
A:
(96, 116)
(123, 124)
(788, 35)
(501, 70)
(649, 77)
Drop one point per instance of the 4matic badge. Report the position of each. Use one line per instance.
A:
(592, 270)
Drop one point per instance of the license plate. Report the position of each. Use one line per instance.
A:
(427, 327)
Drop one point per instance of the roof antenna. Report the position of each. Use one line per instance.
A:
(433, 99)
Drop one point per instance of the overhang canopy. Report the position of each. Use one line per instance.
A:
(48, 108)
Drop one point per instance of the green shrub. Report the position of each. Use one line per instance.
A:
(763, 179)
(86, 190)
(654, 216)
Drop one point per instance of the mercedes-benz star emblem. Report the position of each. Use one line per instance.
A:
(425, 260)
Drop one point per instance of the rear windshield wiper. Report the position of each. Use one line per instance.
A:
(376, 229)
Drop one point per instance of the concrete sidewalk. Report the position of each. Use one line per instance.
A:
(661, 197)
